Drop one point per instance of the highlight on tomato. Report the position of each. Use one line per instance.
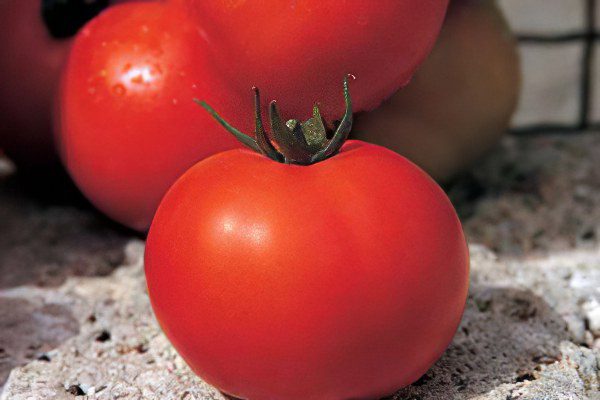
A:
(307, 267)
(127, 126)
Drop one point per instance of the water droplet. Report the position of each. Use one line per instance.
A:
(92, 90)
(119, 89)
(145, 29)
(175, 101)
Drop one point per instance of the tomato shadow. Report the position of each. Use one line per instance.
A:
(49, 231)
(505, 337)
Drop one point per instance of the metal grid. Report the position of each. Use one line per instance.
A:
(589, 37)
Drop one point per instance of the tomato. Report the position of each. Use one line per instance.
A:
(341, 279)
(33, 53)
(128, 127)
(462, 99)
(298, 50)
(133, 72)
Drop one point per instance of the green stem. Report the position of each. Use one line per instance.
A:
(294, 142)
(242, 137)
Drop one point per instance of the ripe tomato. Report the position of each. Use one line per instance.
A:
(133, 72)
(298, 50)
(462, 98)
(343, 279)
(33, 53)
(128, 127)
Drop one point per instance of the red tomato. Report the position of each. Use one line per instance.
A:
(297, 50)
(30, 66)
(128, 124)
(345, 279)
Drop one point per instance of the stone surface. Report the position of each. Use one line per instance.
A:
(511, 343)
(49, 232)
(534, 196)
(530, 329)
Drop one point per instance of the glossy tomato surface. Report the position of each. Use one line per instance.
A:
(30, 65)
(298, 50)
(345, 279)
(128, 126)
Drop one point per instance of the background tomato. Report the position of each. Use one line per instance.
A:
(128, 124)
(30, 66)
(345, 279)
(297, 51)
(461, 100)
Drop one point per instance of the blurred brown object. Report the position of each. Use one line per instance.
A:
(460, 101)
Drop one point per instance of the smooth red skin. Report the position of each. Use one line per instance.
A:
(298, 51)
(128, 126)
(30, 67)
(342, 280)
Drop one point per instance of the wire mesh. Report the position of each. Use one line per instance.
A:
(588, 37)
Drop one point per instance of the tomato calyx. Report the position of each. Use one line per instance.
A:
(292, 142)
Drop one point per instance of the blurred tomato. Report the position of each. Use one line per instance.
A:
(128, 126)
(461, 100)
(34, 42)
(297, 51)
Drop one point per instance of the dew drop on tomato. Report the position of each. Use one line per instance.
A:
(119, 89)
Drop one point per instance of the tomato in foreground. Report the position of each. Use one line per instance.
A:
(331, 276)
(297, 50)
(128, 127)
